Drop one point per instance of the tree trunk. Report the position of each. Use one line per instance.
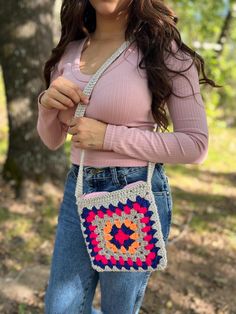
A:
(224, 31)
(26, 39)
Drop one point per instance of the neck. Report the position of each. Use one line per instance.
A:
(110, 27)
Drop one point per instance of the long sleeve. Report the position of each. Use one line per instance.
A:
(188, 143)
(50, 129)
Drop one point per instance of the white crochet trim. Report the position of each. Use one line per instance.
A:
(106, 199)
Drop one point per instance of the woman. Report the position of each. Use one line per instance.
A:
(156, 70)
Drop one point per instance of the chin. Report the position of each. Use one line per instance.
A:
(107, 7)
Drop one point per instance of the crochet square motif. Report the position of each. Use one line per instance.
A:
(122, 236)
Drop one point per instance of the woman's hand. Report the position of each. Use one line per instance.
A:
(87, 133)
(63, 94)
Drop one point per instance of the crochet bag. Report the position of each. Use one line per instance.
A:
(121, 229)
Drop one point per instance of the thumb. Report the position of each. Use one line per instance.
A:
(84, 98)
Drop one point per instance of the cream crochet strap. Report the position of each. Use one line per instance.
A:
(80, 111)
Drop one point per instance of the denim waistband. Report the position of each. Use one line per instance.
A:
(108, 169)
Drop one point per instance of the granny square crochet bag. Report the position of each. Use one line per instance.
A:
(121, 229)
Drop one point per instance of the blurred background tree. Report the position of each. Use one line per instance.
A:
(26, 39)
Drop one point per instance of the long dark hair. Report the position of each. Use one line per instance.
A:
(153, 25)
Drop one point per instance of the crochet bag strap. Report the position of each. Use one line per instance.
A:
(80, 111)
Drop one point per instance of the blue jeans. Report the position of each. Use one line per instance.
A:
(72, 281)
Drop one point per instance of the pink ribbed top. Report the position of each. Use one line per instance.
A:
(121, 98)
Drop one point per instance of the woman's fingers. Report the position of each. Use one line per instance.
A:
(57, 105)
(63, 94)
(74, 125)
(66, 101)
(70, 90)
(75, 138)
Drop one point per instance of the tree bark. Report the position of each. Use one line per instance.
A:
(224, 31)
(26, 39)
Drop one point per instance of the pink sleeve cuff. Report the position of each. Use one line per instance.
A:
(49, 112)
(43, 110)
(109, 135)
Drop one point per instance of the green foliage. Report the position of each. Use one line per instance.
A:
(202, 22)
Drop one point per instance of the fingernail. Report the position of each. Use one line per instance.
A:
(86, 101)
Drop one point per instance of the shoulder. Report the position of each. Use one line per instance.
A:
(177, 59)
(70, 51)
(68, 56)
(182, 70)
